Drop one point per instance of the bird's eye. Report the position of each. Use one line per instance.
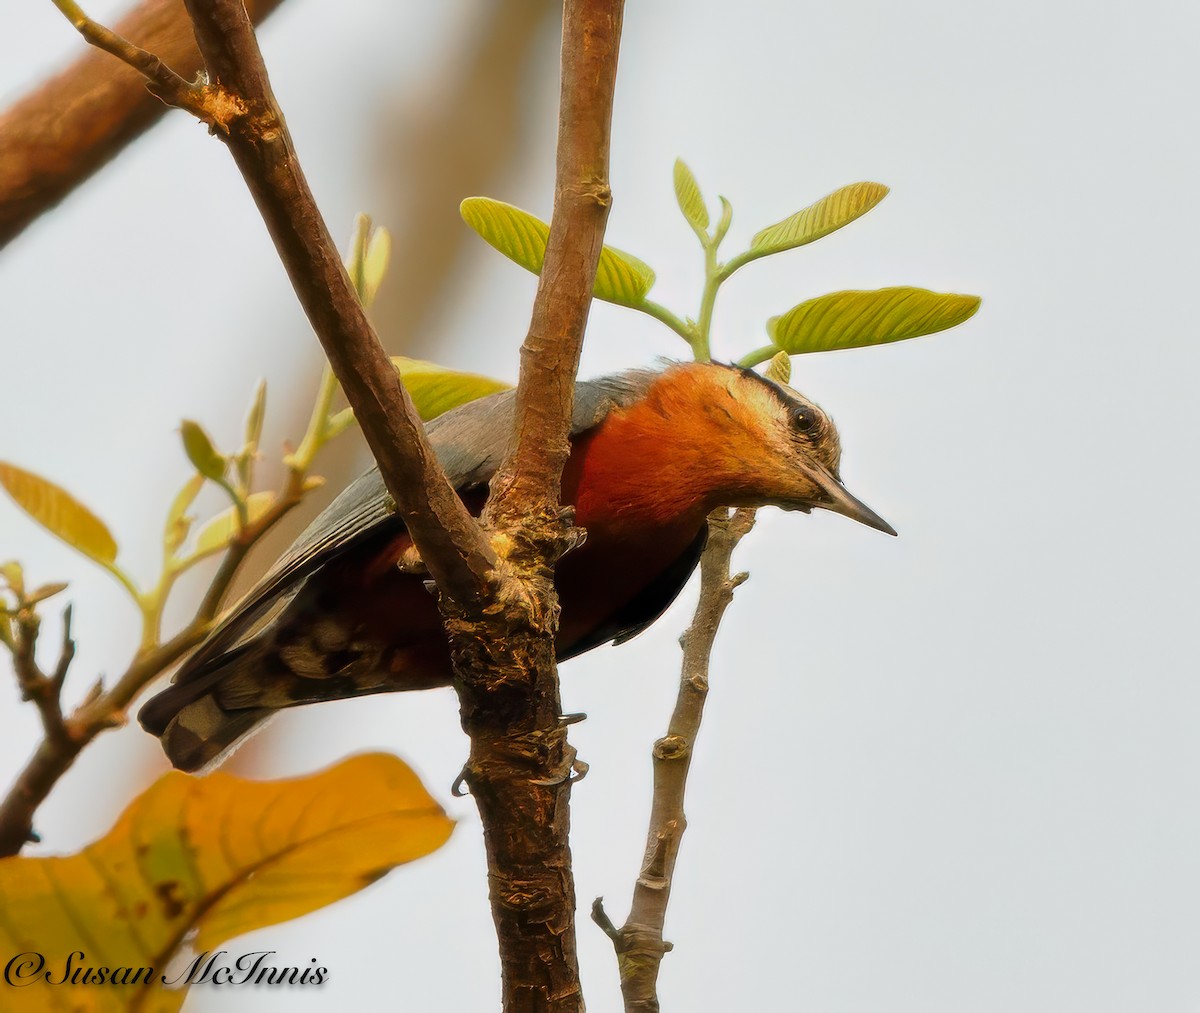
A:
(804, 420)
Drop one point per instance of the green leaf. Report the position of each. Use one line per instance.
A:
(687, 193)
(256, 415)
(621, 278)
(358, 252)
(59, 513)
(195, 861)
(825, 216)
(857, 319)
(436, 389)
(222, 529)
(201, 452)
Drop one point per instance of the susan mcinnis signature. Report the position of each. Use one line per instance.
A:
(219, 968)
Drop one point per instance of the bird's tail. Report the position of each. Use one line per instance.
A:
(195, 730)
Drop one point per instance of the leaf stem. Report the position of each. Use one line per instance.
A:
(661, 313)
(318, 424)
(701, 345)
(757, 356)
(736, 262)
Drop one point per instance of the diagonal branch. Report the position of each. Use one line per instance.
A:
(58, 135)
(251, 124)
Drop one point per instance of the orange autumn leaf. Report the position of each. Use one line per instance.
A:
(202, 859)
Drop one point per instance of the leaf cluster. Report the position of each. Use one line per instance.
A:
(849, 319)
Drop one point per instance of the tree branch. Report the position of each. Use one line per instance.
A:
(70, 126)
(639, 942)
(582, 197)
(248, 119)
(520, 765)
(65, 737)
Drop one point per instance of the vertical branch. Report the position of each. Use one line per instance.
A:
(582, 197)
(639, 942)
(520, 765)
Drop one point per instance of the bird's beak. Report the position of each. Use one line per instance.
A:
(839, 500)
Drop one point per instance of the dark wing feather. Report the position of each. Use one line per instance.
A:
(647, 605)
(470, 442)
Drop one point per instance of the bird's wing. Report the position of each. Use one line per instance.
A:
(647, 605)
(470, 442)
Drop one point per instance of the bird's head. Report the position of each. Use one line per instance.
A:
(759, 442)
(811, 454)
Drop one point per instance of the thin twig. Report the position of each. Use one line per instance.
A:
(59, 134)
(639, 942)
(65, 737)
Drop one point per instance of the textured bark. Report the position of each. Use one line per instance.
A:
(520, 767)
(70, 126)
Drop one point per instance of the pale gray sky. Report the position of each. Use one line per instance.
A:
(953, 771)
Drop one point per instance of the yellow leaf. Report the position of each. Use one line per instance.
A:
(59, 513)
(856, 319)
(204, 859)
(436, 389)
(620, 278)
(40, 594)
(223, 528)
(827, 215)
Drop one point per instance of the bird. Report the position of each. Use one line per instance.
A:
(653, 452)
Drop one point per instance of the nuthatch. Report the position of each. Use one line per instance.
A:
(652, 453)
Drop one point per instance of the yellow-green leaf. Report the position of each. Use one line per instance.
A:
(177, 526)
(779, 368)
(256, 415)
(856, 319)
(620, 278)
(14, 577)
(827, 215)
(196, 861)
(435, 389)
(222, 529)
(687, 192)
(201, 452)
(59, 513)
(375, 264)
